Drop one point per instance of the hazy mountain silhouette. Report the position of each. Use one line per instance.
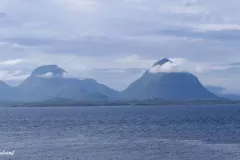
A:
(219, 91)
(215, 89)
(48, 82)
(6, 92)
(51, 82)
(168, 86)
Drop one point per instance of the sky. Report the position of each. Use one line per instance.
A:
(115, 41)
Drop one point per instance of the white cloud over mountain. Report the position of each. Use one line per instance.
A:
(184, 65)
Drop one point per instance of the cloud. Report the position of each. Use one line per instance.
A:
(16, 75)
(175, 65)
(76, 75)
(218, 27)
(2, 15)
(46, 75)
(12, 62)
(134, 61)
(189, 3)
(223, 33)
(190, 9)
(184, 65)
(79, 5)
(235, 64)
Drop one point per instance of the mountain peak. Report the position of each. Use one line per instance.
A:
(162, 62)
(48, 69)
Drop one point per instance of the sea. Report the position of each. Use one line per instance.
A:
(121, 133)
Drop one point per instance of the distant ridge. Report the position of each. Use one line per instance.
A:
(220, 92)
(48, 82)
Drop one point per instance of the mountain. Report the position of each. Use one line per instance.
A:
(235, 97)
(49, 82)
(215, 89)
(219, 91)
(48, 70)
(167, 85)
(6, 91)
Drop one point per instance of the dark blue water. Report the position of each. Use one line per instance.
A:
(121, 133)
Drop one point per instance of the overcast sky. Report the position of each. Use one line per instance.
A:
(114, 41)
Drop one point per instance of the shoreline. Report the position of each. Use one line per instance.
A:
(119, 103)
